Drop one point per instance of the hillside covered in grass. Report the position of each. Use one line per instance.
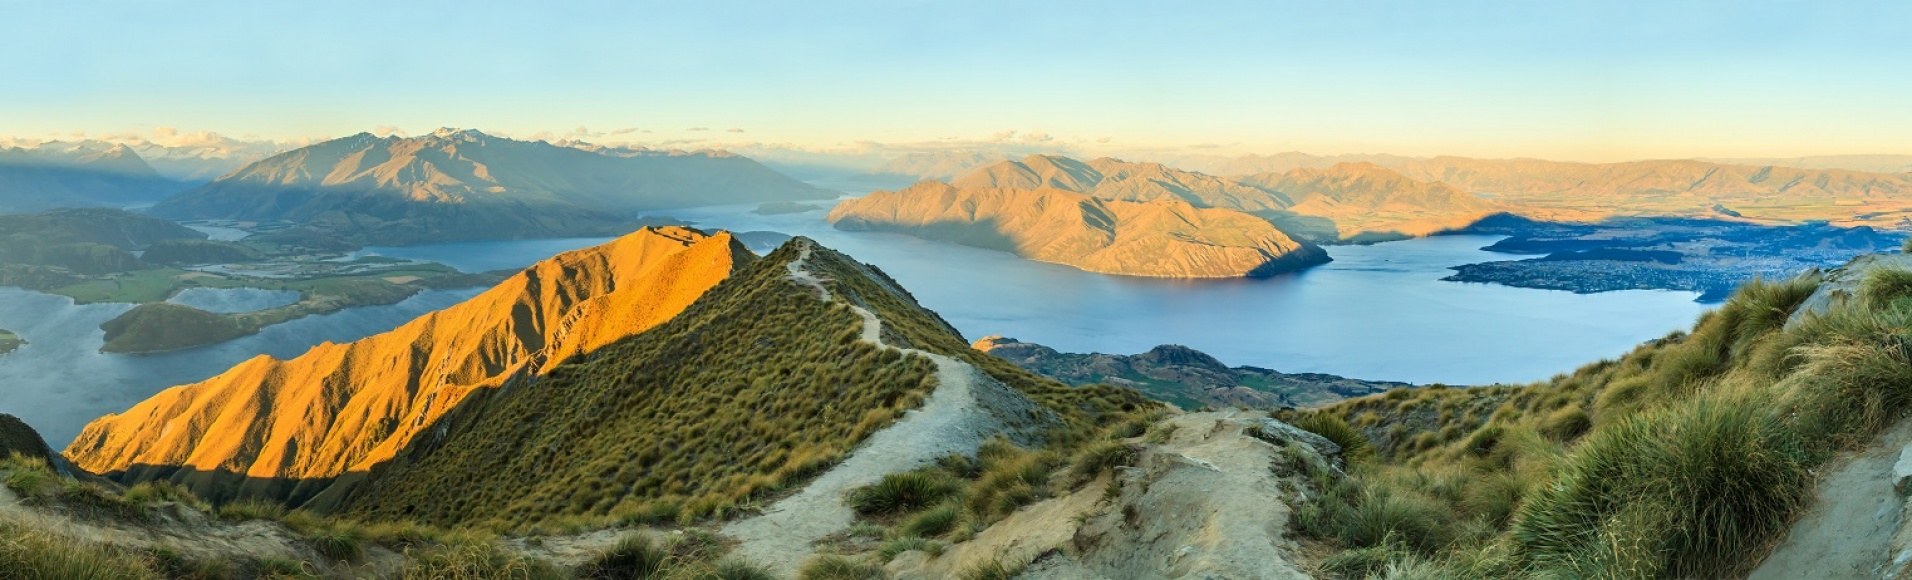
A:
(286, 428)
(1691, 456)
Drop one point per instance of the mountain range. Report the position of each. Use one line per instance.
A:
(1163, 237)
(461, 185)
(44, 178)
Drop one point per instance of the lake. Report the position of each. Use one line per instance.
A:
(1375, 312)
(60, 381)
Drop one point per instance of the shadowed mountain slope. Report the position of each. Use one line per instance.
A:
(44, 178)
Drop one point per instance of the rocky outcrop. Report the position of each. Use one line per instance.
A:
(1184, 376)
(1166, 238)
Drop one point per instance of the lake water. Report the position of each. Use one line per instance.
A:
(60, 381)
(234, 300)
(1375, 312)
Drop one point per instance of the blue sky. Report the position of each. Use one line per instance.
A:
(1581, 80)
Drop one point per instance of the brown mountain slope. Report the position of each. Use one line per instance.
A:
(1163, 238)
(345, 407)
(1322, 201)
(454, 185)
(1364, 198)
(1109, 178)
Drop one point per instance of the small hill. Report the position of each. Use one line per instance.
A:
(81, 241)
(162, 326)
(358, 404)
(1163, 238)
(1184, 376)
(465, 185)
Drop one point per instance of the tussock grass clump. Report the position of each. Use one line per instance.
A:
(1884, 286)
(31, 551)
(635, 556)
(27, 476)
(897, 546)
(338, 542)
(989, 570)
(693, 555)
(903, 492)
(1354, 445)
(252, 509)
(162, 491)
(934, 522)
(834, 567)
(1686, 492)
(476, 559)
(1098, 458)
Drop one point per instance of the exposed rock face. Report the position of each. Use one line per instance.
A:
(1165, 238)
(459, 185)
(1187, 377)
(347, 407)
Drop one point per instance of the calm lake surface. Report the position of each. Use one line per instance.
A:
(1375, 312)
(60, 381)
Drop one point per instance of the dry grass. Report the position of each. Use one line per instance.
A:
(1687, 457)
(756, 387)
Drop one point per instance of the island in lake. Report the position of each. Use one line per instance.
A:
(97, 255)
(10, 341)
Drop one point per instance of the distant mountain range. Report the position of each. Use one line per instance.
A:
(44, 178)
(1163, 237)
(1867, 163)
(1024, 206)
(461, 185)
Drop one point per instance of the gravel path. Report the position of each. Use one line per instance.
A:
(966, 408)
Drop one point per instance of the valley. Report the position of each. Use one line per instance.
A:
(89, 255)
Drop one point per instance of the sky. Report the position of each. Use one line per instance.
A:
(1593, 81)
